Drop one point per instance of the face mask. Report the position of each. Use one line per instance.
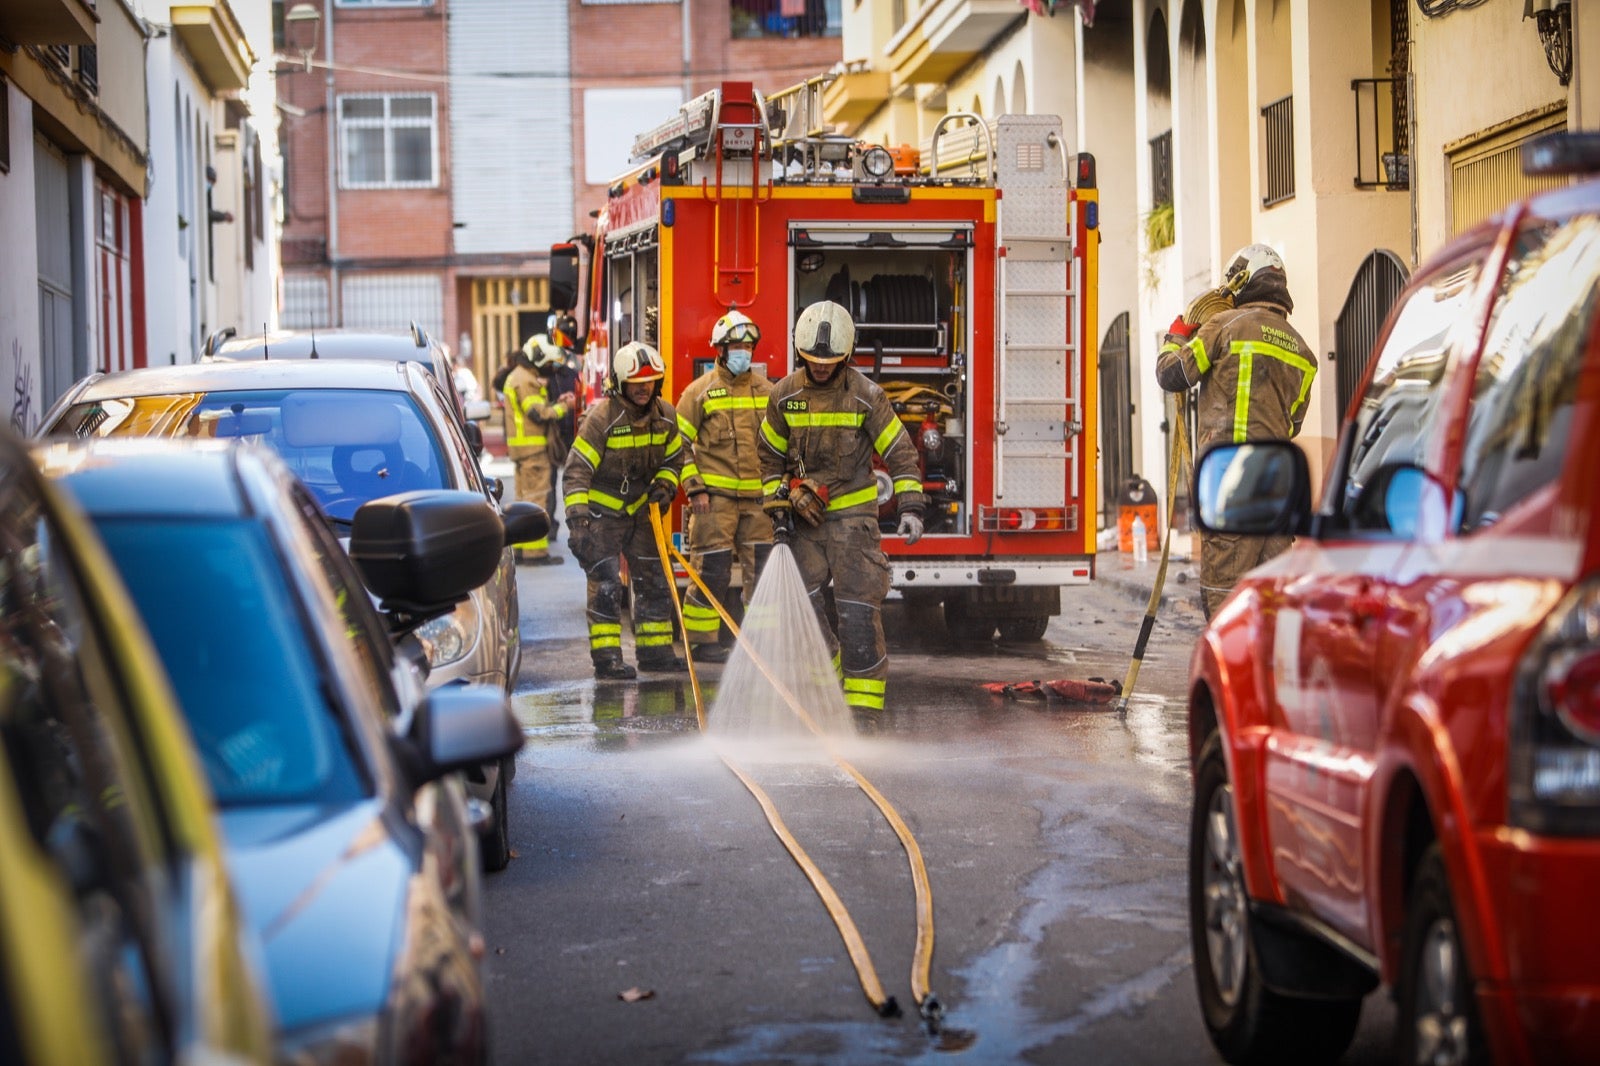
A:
(738, 361)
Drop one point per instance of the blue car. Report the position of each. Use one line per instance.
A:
(333, 765)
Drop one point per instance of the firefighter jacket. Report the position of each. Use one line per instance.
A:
(1254, 371)
(830, 433)
(619, 452)
(720, 416)
(529, 412)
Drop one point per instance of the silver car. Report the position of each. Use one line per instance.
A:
(351, 432)
(332, 767)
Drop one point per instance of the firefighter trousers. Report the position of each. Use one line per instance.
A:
(610, 539)
(535, 481)
(846, 551)
(732, 526)
(1225, 558)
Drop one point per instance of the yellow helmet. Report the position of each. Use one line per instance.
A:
(825, 333)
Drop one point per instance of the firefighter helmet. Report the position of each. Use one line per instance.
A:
(735, 327)
(543, 352)
(1249, 261)
(634, 364)
(825, 333)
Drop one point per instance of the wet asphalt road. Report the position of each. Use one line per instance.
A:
(1055, 842)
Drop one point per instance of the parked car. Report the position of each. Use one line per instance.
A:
(121, 937)
(393, 346)
(332, 766)
(1395, 726)
(352, 431)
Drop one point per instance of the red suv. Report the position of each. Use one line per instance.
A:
(1395, 726)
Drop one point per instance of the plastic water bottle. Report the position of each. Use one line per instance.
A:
(1141, 549)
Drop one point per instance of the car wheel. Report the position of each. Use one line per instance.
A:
(495, 844)
(1247, 1022)
(1437, 1015)
(1023, 630)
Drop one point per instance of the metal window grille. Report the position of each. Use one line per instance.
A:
(1383, 158)
(5, 126)
(388, 141)
(1161, 169)
(1277, 139)
(784, 18)
(61, 54)
(89, 67)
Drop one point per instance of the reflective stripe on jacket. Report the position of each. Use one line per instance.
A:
(830, 433)
(528, 409)
(1254, 371)
(720, 416)
(618, 453)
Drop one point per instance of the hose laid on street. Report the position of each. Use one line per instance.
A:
(922, 961)
(1175, 466)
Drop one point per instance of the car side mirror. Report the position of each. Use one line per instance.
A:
(477, 411)
(1256, 489)
(421, 552)
(524, 522)
(459, 726)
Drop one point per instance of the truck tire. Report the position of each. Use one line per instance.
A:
(963, 627)
(1027, 630)
(1438, 1016)
(1247, 1021)
(494, 843)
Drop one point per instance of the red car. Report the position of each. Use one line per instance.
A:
(1394, 727)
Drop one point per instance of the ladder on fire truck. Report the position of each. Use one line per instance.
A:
(1038, 431)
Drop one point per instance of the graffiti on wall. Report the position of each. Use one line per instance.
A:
(21, 391)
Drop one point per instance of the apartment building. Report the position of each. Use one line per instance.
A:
(1354, 136)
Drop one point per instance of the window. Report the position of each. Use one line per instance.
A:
(1277, 151)
(1396, 414)
(388, 141)
(5, 126)
(1527, 380)
(784, 18)
(385, 3)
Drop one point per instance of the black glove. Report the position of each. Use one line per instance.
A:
(662, 493)
(782, 524)
(577, 532)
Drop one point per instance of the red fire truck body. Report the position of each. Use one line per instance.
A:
(972, 281)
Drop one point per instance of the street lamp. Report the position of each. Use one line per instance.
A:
(300, 30)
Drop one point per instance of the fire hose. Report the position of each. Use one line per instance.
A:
(1177, 462)
(922, 960)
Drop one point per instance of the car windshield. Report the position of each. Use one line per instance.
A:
(348, 446)
(217, 604)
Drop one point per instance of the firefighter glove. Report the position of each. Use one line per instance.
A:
(1181, 327)
(577, 531)
(662, 492)
(809, 498)
(910, 527)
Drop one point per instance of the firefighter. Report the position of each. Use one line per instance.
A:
(1254, 372)
(530, 416)
(824, 423)
(628, 456)
(720, 416)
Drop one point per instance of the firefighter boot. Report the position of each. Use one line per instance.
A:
(711, 653)
(663, 662)
(612, 668)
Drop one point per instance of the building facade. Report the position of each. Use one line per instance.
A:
(1349, 135)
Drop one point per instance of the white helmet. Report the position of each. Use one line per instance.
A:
(1249, 261)
(542, 352)
(735, 327)
(825, 333)
(635, 364)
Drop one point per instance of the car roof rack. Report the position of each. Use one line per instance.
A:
(1562, 152)
(419, 335)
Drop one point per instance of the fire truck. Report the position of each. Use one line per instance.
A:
(970, 268)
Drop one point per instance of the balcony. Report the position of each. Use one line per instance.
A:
(47, 21)
(212, 35)
(853, 96)
(943, 36)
